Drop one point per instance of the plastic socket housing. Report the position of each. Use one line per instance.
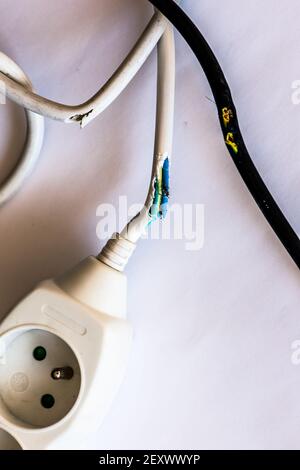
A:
(63, 355)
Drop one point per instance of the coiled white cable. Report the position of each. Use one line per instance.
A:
(34, 138)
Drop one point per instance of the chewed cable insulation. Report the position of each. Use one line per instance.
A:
(154, 208)
(230, 126)
(161, 192)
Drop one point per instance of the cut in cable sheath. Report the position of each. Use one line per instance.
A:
(34, 137)
(230, 126)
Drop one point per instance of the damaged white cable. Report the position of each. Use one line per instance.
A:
(18, 88)
(86, 112)
(157, 200)
(120, 247)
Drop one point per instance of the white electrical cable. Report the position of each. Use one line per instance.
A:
(120, 247)
(34, 137)
(164, 129)
(18, 88)
(86, 112)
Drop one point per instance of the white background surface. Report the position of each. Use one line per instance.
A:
(211, 360)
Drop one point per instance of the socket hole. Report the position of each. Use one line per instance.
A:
(62, 373)
(47, 401)
(39, 353)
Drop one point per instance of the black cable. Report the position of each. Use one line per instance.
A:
(230, 126)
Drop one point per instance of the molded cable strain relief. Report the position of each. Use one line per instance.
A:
(117, 252)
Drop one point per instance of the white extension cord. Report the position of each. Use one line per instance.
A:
(64, 348)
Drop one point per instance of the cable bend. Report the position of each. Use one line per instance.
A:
(34, 139)
(87, 111)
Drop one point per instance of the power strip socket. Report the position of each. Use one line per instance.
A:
(63, 355)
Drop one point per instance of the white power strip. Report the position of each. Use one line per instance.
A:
(64, 351)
